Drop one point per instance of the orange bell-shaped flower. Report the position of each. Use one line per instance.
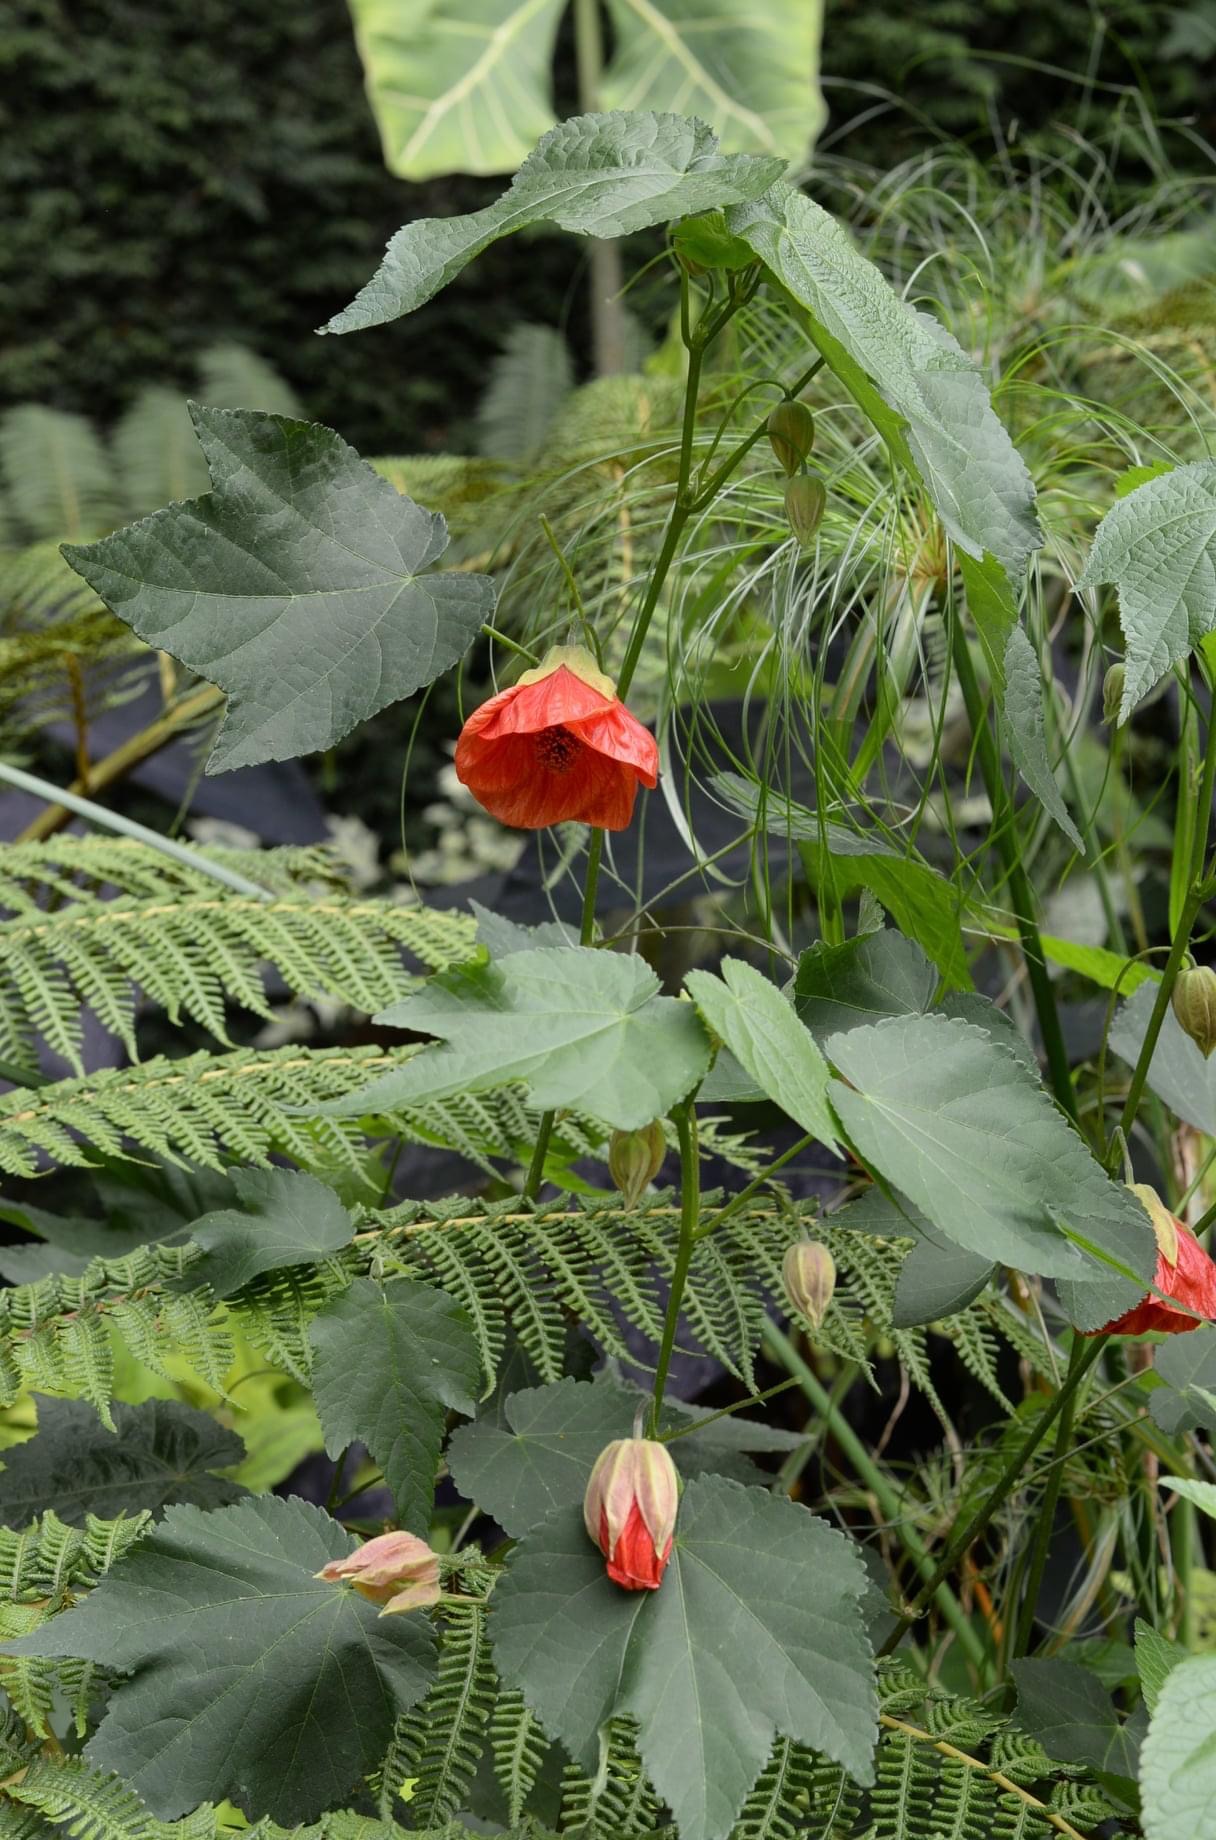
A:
(558, 747)
(397, 1570)
(1184, 1272)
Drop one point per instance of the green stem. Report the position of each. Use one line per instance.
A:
(717, 480)
(127, 827)
(690, 1206)
(883, 1491)
(745, 1194)
(995, 1497)
(1045, 1525)
(1019, 887)
(753, 1399)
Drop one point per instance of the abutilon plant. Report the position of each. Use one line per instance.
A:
(624, 1527)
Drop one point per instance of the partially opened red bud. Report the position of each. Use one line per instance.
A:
(791, 434)
(635, 1158)
(809, 1274)
(1184, 1273)
(1194, 1003)
(397, 1570)
(630, 1510)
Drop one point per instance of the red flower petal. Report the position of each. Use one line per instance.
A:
(556, 751)
(1191, 1282)
(636, 1565)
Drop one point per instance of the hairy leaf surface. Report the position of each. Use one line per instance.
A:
(285, 1218)
(762, 1031)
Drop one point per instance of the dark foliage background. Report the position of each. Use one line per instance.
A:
(180, 171)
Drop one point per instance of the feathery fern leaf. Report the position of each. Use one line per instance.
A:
(439, 1744)
(157, 453)
(57, 474)
(529, 381)
(85, 1803)
(131, 919)
(619, 1804)
(518, 1746)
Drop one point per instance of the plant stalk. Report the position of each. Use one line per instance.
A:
(685, 1116)
(1045, 1525)
(883, 1492)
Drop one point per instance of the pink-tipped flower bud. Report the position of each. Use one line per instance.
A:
(635, 1159)
(809, 1273)
(630, 1511)
(1194, 1004)
(397, 1570)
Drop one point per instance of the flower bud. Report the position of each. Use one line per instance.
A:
(791, 434)
(1165, 1226)
(1112, 694)
(397, 1570)
(1194, 1002)
(635, 1158)
(805, 499)
(809, 1274)
(630, 1510)
(703, 243)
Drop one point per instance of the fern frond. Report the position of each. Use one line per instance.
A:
(85, 1803)
(529, 382)
(58, 477)
(518, 1746)
(439, 1744)
(131, 920)
(157, 453)
(619, 1802)
(231, 376)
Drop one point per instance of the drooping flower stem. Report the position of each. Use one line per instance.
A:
(971, 1531)
(685, 1116)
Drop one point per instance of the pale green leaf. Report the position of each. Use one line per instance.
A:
(1178, 1072)
(944, 421)
(732, 1649)
(389, 1362)
(961, 1126)
(581, 1028)
(751, 73)
(1026, 732)
(936, 1281)
(1071, 1713)
(245, 1676)
(595, 175)
(1202, 1494)
(285, 1218)
(457, 85)
(1156, 1657)
(759, 1026)
(1158, 547)
(296, 585)
(1186, 1366)
(1178, 1757)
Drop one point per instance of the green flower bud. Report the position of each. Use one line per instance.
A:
(1112, 693)
(809, 1274)
(1194, 1001)
(635, 1158)
(703, 242)
(791, 434)
(805, 499)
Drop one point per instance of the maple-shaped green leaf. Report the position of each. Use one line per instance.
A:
(579, 1027)
(1178, 1072)
(285, 1218)
(160, 1452)
(246, 1677)
(1158, 547)
(926, 397)
(963, 1128)
(1178, 1756)
(536, 1453)
(596, 175)
(760, 1028)
(298, 585)
(755, 1630)
(1026, 732)
(1070, 1712)
(389, 1362)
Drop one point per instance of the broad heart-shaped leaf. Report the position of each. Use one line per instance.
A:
(249, 1678)
(1026, 734)
(1187, 1366)
(759, 1026)
(1156, 1658)
(1177, 1073)
(581, 1028)
(936, 1281)
(296, 585)
(457, 85)
(1072, 1715)
(756, 1629)
(1178, 1756)
(1158, 547)
(539, 1455)
(750, 72)
(596, 175)
(939, 419)
(285, 1218)
(160, 1452)
(389, 1361)
(958, 1123)
(922, 904)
